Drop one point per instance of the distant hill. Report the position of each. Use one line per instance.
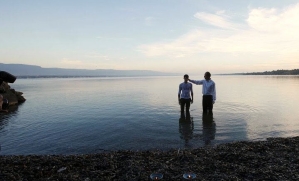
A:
(22, 70)
(275, 72)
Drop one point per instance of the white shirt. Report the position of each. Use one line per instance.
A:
(208, 87)
(185, 90)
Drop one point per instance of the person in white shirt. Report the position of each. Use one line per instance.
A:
(185, 97)
(208, 92)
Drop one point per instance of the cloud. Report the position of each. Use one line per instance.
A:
(94, 61)
(263, 31)
(78, 64)
(113, 38)
(66, 61)
(98, 56)
(219, 19)
(274, 20)
(182, 46)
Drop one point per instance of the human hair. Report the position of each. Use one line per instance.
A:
(186, 76)
(208, 74)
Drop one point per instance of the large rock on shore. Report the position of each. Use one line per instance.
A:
(14, 97)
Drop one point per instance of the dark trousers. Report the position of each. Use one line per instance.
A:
(207, 103)
(183, 103)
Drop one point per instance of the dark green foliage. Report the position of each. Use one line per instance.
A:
(275, 72)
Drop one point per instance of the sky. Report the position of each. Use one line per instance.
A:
(180, 36)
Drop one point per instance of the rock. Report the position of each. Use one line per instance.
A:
(2, 90)
(21, 99)
(274, 159)
(4, 87)
(13, 97)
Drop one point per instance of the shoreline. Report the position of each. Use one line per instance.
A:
(273, 159)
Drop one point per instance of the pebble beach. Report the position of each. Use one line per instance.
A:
(273, 159)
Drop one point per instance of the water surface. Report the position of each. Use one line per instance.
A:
(89, 115)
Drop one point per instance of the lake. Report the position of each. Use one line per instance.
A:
(92, 115)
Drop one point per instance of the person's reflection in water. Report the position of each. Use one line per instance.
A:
(186, 128)
(208, 128)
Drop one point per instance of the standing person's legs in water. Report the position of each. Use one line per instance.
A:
(188, 108)
(207, 104)
(185, 104)
(182, 102)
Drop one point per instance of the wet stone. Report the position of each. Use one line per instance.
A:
(274, 159)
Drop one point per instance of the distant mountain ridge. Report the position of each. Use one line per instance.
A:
(23, 70)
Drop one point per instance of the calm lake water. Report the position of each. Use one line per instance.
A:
(89, 115)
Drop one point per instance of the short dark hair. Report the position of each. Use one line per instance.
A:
(208, 74)
(186, 76)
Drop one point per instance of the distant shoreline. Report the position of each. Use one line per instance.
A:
(274, 72)
(241, 74)
(128, 76)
